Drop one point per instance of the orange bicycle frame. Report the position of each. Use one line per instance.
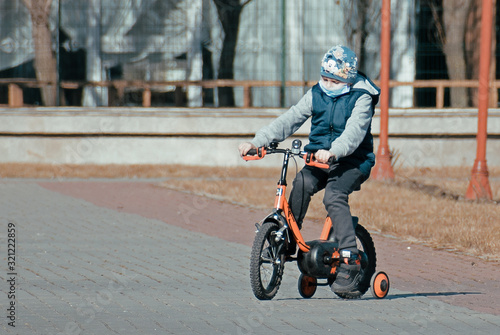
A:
(280, 202)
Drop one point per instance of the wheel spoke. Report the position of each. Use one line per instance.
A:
(266, 256)
(269, 264)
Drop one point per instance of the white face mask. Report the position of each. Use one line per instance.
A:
(332, 86)
(333, 89)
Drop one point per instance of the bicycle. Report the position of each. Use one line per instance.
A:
(278, 234)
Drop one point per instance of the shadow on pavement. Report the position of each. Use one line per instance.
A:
(427, 294)
(390, 296)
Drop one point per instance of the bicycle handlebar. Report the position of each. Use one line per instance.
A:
(256, 154)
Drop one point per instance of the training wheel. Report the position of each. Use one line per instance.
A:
(379, 285)
(307, 286)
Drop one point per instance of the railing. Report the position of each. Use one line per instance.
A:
(15, 92)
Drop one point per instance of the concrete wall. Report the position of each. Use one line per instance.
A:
(210, 136)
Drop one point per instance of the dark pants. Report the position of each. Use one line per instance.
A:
(339, 181)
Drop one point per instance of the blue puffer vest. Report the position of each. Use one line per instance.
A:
(328, 121)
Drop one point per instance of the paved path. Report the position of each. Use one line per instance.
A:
(129, 257)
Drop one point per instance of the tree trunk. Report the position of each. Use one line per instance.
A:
(229, 15)
(362, 32)
(455, 14)
(45, 59)
(357, 11)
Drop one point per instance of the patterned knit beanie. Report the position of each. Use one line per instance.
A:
(340, 63)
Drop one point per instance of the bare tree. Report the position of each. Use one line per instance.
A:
(229, 12)
(45, 60)
(458, 33)
(358, 28)
(455, 14)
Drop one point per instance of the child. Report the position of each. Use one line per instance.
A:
(341, 106)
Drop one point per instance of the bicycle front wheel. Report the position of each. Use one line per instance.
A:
(266, 262)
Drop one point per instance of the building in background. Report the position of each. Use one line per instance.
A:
(183, 40)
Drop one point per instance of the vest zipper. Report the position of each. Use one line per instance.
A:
(332, 111)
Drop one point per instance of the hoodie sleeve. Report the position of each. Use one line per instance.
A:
(355, 130)
(286, 124)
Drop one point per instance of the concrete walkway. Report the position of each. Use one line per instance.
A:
(112, 257)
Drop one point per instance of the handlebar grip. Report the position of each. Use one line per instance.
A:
(309, 159)
(254, 154)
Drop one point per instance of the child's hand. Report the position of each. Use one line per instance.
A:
(323, 156)
(243, 148)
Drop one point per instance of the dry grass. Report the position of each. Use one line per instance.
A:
(422, 205)
(442, 222)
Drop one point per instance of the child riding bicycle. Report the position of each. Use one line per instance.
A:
(341, 106)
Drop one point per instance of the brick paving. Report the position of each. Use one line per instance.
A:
(121, 257)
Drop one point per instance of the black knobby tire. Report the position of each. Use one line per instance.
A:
(266, 263)
(366, 247)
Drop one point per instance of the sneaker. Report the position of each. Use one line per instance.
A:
(347, 278)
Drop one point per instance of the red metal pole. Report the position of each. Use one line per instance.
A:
(383, 168)
(479, 186)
